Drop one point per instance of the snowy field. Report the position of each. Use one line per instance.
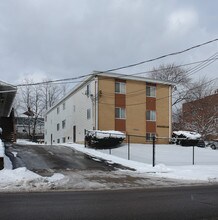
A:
(173, 168)
(170, 154)
(172, 161)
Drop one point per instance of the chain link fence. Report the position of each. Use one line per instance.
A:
(159, 151)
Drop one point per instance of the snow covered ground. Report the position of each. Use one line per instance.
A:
(173, 168)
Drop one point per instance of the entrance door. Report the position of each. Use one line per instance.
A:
(74, 133)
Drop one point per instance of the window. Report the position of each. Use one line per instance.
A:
(151, 115)
(88, 113)
(63, 124)
(150, 91)
(63, 140)
(74, 108)
(58, 140)
(64, 106)
(120, 87)
(58, 127)
(58, 110)
(87, 90)
(120, 113)
(149, 136)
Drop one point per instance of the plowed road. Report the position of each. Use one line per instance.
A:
(169, 203)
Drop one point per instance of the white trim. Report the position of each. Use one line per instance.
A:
(129, 77)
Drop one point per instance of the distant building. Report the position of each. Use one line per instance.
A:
(24, 128)
(109, 101)
(202, 116)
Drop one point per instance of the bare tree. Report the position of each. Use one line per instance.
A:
(199, 89)
(175, 74)
(33, 100)
(30, 101)
(199, 113)
(170, 72)
(52, 93)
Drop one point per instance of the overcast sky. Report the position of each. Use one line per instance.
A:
(58, 39)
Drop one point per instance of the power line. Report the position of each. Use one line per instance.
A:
(161, 57)
(189, 72)
(165, 97)
(123, 67)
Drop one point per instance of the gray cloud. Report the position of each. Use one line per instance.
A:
(65, 38)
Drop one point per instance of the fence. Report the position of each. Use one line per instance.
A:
(169, 154)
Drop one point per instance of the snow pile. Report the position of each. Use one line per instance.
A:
(188, 134)
(26, 142)
(105, 134)
(22, 179)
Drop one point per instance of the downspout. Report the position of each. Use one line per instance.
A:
(96, 103)
(170, 112)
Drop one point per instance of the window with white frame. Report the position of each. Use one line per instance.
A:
(120, 113)
(63, 124)
(58, 127)
(58, 110)
(150, 91)
(88, 113)
(120, 87)
(150, 115)
(63, 139)
(149, 136)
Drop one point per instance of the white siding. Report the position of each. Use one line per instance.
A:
(75, 114)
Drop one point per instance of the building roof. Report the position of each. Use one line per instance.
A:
(132, 77)
(7, 95)
(94, 74)
(212, 99)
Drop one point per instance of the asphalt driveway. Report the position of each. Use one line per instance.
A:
(45, 159)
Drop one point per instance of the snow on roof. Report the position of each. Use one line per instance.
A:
(89, 78)
(188, 134)
(104, 134)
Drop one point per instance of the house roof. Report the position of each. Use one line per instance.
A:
(7, 95)
(110, 75)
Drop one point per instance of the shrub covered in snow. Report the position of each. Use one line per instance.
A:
(187, 138)
(104, 139)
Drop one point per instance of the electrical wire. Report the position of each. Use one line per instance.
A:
(124, 67)
(165, 97)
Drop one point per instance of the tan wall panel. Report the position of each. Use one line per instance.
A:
(106, 104)
(135, 107)
(162, 108)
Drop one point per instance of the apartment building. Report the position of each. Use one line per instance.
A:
(109, 101)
